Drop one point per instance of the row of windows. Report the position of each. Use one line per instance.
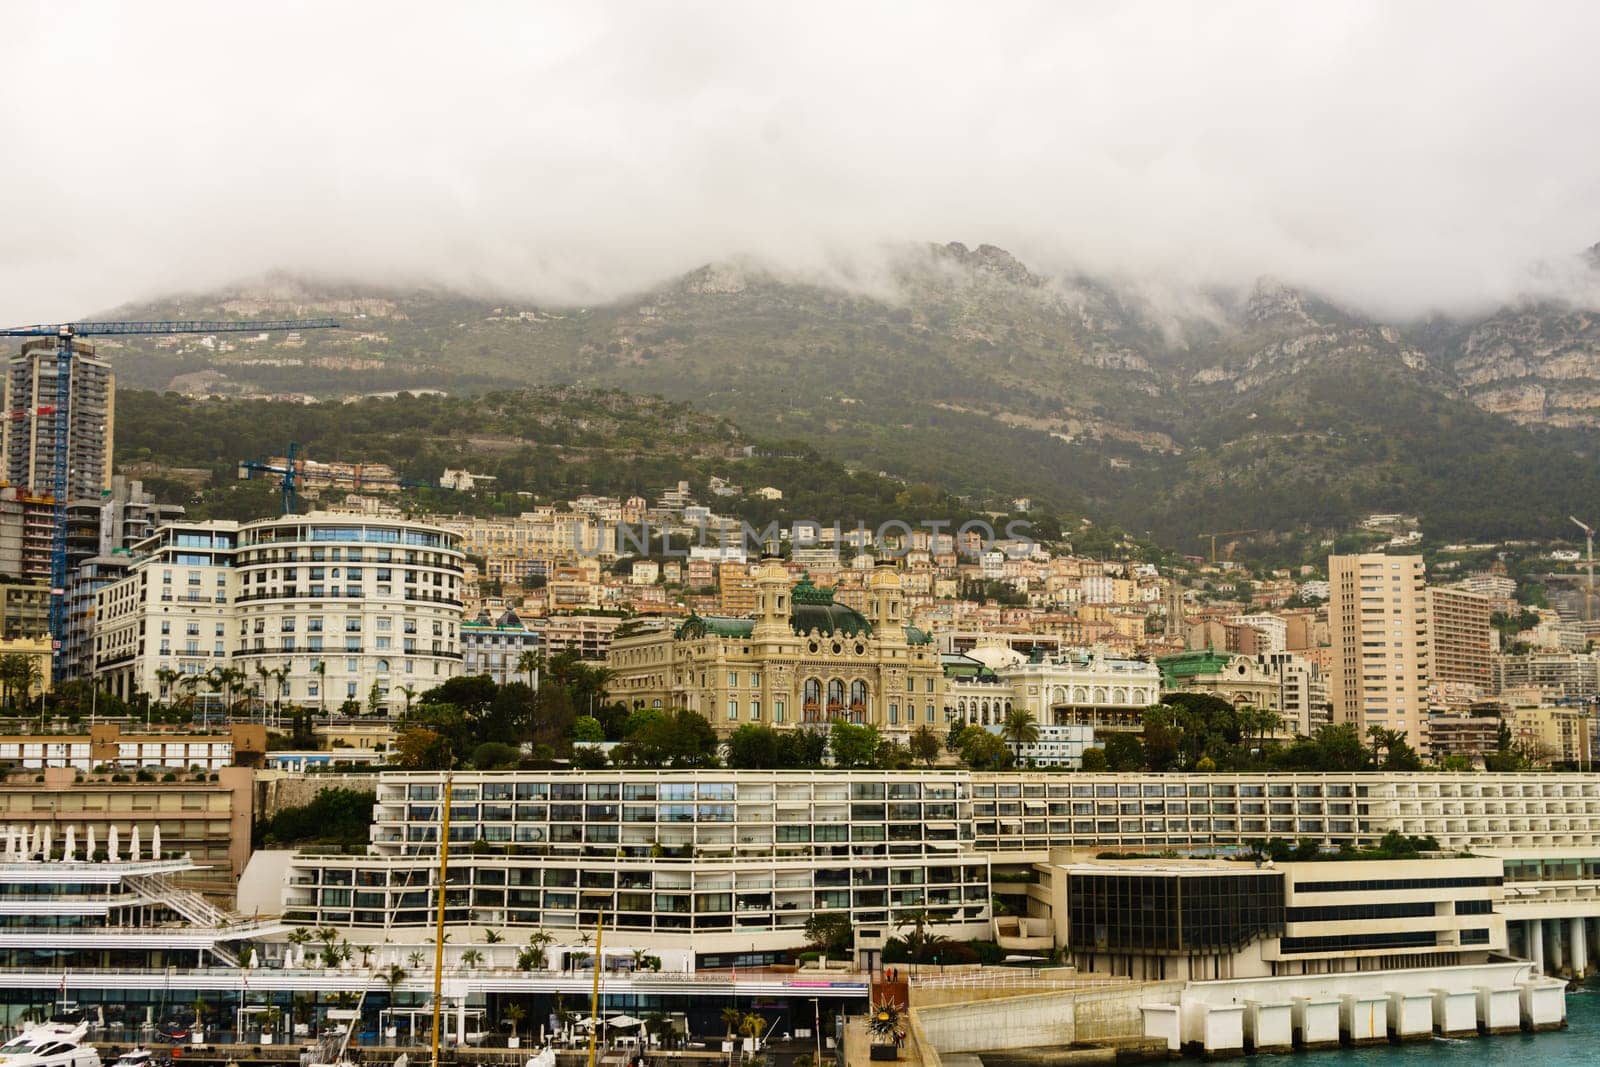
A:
(1352, 942)
(674, 791)
(1348, 912)
(645, 878)
(1158, 789)
(1392, 885)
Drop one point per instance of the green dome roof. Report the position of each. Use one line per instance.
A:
(714, 626)
(814, 609)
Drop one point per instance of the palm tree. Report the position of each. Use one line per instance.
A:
(264, 673)
(280, 675)
(216, 681)
(409, 692)
(166, 676)
(493, 937)
(191, 682)
(751, 1026)
(732, 1018)
(471, 958)
(415, 959)
(302, 1007)
(1019, 728)
(659, 1026)
(1383, 739)
(392, 976)
(29, 675)
(531, 662)
(514, 1014)
(922, 944)
(12, 671)
(320, 669)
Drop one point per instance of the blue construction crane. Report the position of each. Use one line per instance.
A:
(65, 333)
(289, 472)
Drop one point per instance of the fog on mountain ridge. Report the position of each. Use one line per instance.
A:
(1395, 159)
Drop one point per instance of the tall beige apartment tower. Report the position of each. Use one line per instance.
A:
(1463, 648)
(1378, 622)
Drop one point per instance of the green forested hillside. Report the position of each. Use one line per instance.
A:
(964, 371)
(541, 445)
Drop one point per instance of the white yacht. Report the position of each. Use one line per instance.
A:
(140, 1056)
(51, 1044)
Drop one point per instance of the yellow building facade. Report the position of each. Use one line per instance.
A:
(800, 659)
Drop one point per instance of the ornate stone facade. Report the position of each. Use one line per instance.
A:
(801, 659)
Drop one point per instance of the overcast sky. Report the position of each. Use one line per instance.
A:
(1399, 156)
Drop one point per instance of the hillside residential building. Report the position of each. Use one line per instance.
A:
(1378, 618)
(1461, 639)
(1562, 675)
(496, 648)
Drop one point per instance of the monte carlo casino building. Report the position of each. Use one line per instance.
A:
(801, 659)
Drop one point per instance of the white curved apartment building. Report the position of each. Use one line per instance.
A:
(372, 601)
(334, 604)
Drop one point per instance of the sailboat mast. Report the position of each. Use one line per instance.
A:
(438, 928)
(594, 999)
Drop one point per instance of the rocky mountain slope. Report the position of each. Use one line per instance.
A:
(1270, 409)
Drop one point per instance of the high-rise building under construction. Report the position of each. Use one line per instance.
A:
(31, 406)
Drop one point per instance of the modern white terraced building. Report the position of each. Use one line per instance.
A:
(730, 863)
(727, 861)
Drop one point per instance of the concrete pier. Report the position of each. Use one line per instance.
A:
(1364, 1018)
(1269, 1026)
(1580, 946)
(1163, 1022)
(1316, 1022)
(1543, 1005)
(1410, 1016)
(1535, 936)
(1223, 1031)
(1455, 1012)
(1499, 1009)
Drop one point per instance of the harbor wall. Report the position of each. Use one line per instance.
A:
(1041, 1020)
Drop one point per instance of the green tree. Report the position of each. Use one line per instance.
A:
(1094, 760)
(982, 750)
(802, 747)
(924, 744)
(420, 749)
(495, 756)
(587, 728)
(1124, 752)
(1019, 730)
(853, 745)
(333, 817)
(830, 932)
(682, 739)
(754, 746)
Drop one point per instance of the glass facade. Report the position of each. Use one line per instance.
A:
(1170, 913)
